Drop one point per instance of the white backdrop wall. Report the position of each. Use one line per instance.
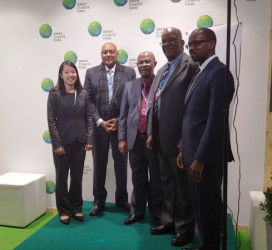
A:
(27, 58)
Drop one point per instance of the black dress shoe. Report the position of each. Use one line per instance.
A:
(158, 230)
(133, 218)
(124, 206)
(96, 210)
(157, 220)
(179, 239)
(78, 217)
(65, 221)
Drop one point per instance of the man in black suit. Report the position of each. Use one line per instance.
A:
(105, 84)
(165, 112)
(202, 135)
(132, 136)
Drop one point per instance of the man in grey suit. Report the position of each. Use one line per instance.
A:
(105, 85)
(132, 136)
(165, 112)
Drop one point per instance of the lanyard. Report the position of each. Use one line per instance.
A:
(146, 101)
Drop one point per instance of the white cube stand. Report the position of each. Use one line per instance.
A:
(257, 226)
(22, 198)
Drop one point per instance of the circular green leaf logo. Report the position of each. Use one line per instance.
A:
(50, 187)
(70, 56)
(47, 84)
(69, 4)
(204, 21)
(45, 31)
(94, 28)
(120, 2)
(175, 1)
(46, 136)
(122, 57)
(147, 26)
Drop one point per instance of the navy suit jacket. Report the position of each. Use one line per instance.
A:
(68, 122)
(203, 117)
(130, 112)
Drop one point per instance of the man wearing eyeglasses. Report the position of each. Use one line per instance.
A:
(201, 154)
(132, 136)
(165, 111)
(105, 85)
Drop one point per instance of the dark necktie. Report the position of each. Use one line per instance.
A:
(192, 82)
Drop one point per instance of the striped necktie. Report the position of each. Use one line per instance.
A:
(110, 85)
(192, 82)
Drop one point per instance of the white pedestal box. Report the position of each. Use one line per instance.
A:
(22, 198)
(257, 226)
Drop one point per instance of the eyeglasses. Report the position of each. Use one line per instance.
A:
(146, 62)
(195, 43)
(171, 40)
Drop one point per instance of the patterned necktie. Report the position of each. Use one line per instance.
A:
(192, 82)
(109, 78)
(165, 73)
(162, 82)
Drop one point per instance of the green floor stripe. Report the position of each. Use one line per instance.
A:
(105, 232)
(10, 237)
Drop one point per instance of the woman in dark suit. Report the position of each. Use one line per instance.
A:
(71, 130)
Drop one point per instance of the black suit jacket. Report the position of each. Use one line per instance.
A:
(202, 132)
(68, 122)
(171, 107)
(96, 85)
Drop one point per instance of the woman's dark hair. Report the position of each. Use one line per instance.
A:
(60, 85)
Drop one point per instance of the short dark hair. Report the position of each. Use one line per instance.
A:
(60, 84)
(208, 33)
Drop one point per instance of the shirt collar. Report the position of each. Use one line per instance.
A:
(177, 59)
(112, 70)
(205, 63)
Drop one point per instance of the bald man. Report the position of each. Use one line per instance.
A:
(132, 137)
(105, 85)
(165, 113)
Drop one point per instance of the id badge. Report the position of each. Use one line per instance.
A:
(143, 111)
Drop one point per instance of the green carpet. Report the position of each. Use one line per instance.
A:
(105, 232)
(10, 237)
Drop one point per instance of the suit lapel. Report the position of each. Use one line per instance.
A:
(138, 91)
(180, 67)
(154, 88)
(117, 80)
(201, 75)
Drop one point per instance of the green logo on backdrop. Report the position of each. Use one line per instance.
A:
(204, 21)
(94, 28)
(50, 187)
(70, 56)
(47, 84)
(45, 31)
(123, 56)
(147, 26)
(46, 136)
(69, 4)
(120, 2)
(175, 1)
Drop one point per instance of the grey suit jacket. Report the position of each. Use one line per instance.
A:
(171, 105)
(130, 112)
(96, 85)
(68, 122)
